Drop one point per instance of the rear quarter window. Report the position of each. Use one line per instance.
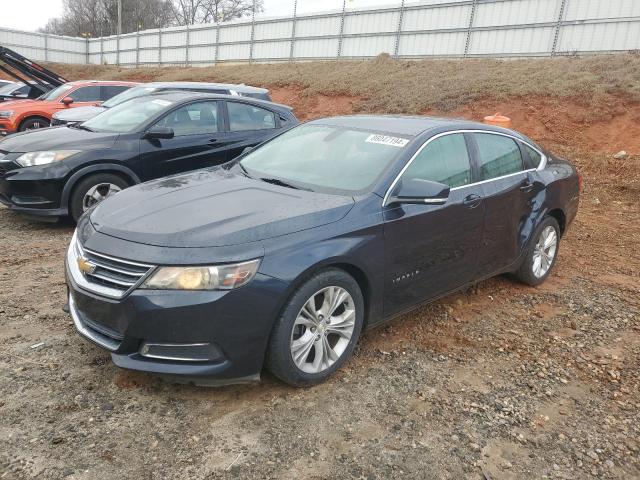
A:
(532, 158)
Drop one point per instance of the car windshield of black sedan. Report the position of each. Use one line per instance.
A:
(127, 116)
(134, 92)
(331, 158)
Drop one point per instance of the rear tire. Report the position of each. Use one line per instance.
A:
(92, 190)
(317, 330)
(34, 123)
(542, 253)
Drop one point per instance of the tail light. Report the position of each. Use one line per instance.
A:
(580, 183)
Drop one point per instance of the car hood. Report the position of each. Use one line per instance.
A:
(213, 208)
(28, 103)
(78, 114)
(57, 138)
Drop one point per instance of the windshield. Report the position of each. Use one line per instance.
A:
(127, 117)
(325, 157)
(134, 92)
(56, 92)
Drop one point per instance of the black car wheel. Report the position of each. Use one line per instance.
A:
(34, 124)
(318, 329)
(92, 190)
(542, 253)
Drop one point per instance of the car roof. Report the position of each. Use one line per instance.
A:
(100, 82)
(185, 95)
(208, 85)
(407, 125)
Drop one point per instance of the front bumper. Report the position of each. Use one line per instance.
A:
(6, 127)
(33, 191)
(235, 323)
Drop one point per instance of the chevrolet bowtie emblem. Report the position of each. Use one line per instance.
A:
(85, 266)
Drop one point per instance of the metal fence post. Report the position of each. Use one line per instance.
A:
(293, 29)
(86, 50)
(396, 48)
(556, 34)
(186, 52)
(467, 44)
(101, 50)
(46, 47)
(118, 50)
(159, 47)
(253, 31)
(215, 56)
(341, 35)
(137, 48)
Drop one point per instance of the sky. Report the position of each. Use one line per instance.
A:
(32, 14)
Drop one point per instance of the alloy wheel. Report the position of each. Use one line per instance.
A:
(98, 193)
(322, 330)
(545, 251)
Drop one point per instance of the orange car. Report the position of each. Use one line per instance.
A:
(21, 115)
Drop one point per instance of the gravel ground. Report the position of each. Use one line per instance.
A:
(501, 381)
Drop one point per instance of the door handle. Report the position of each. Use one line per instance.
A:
(472, 201)
(214, 140)
(527, 184)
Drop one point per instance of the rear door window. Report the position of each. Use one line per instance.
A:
(86, 94)
(444, 160)
(108, 91)
(193, 119)
(498, 156)
(243, 117)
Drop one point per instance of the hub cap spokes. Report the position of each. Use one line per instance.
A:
(323, 329)
(545, 251)
(98, 193)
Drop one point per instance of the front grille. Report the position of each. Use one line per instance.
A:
(103, 274)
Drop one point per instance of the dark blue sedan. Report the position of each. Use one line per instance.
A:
(282, 257)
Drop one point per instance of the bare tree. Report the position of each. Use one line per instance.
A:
(100, 17)
(190, 12)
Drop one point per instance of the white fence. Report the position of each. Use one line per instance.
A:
(431, 28)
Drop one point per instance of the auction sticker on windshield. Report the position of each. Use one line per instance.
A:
(387, 140)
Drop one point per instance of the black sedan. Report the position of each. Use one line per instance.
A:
(65, 170)
(282, 257)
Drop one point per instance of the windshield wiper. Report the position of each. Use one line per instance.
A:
(79, 126)
(277, 181)
(244, 170)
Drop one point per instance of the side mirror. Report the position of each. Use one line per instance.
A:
(246, 150)
(419, 192)
(67, 101)
(159, 133)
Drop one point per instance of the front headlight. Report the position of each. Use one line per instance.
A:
(6, 113)
(215, 277)
(42, 158)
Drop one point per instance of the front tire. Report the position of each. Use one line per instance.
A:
(92, 190)
(317, 330)
(34, 123)
(542, 253)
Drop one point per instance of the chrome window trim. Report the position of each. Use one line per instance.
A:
(541, 165)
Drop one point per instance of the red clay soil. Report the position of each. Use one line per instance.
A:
(546, 120)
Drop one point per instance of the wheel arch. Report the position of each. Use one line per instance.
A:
(357, 272)
(126, 173)
(560, 217)
(28, 117)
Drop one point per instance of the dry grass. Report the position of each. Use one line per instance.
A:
(402, 86)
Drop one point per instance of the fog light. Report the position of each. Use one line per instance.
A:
(186, 352)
